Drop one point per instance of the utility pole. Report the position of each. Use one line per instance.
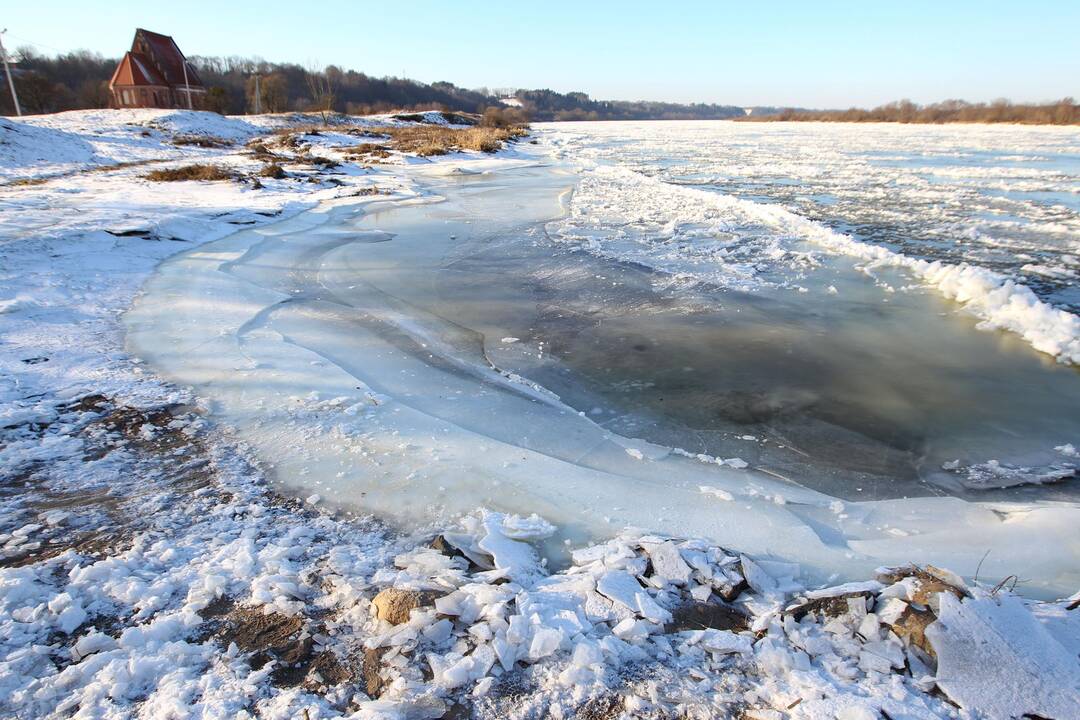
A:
(258, 96)
(187, 88)
(7, 69)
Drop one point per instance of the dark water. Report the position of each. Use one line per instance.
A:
(849, 393)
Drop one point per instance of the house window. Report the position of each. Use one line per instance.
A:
(125, 96)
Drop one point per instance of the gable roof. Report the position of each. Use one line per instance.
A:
(164, 55)
(136, 69)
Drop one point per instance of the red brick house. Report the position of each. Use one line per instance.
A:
(155, 74)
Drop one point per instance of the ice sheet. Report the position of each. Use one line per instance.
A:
(367, 399)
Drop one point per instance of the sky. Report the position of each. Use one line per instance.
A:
(805, 54)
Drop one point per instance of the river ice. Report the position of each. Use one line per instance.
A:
(365, 353)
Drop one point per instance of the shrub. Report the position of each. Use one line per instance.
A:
(273, 170)
(503, 117)
(190, 172)
(323, 162)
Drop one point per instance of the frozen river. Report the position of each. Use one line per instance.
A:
(589, 339)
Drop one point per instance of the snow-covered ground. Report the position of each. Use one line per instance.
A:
(149, 572)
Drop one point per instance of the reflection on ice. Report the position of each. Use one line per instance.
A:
(363, 355)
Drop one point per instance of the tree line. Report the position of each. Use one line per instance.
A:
(550, 105)
(237, 85)
(1062, 112)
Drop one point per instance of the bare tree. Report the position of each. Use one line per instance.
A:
(321, 86)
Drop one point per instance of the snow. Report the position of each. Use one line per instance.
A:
(122, 625)
(996, 660)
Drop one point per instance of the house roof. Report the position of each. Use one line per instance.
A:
(155, 59)
(168, 59)
(136, 69)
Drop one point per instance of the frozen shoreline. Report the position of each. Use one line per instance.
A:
(310, 339)
(231, 540)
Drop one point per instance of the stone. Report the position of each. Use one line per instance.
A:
(394, 604)
(911, 628)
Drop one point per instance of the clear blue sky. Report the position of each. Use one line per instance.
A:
(814, 54)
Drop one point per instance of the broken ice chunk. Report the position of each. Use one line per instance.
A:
(668, 564)
(650, 610)
(545, 642)
(631, 630)
(620, 586)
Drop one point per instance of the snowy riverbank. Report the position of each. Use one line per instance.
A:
(149, 572)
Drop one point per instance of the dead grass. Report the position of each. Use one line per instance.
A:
(323, 162)
(427, 140)
(191, 172)
(273, 170)
(24, 182)
(366, 150)
(260, 151)
(203, 141)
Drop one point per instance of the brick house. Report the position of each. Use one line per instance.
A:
(155, 74)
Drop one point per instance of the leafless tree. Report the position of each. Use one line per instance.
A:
(322, 87)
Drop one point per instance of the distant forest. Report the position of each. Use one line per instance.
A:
(79, 80)
(1062, 112)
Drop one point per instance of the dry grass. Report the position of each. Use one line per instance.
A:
(365, 152)
(191, 172)
(426, 140)
(273, 170)
(203, 141)
(323, 162)
(25, 182)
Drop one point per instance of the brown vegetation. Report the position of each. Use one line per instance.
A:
(1063, 112)
(366, 151)
(504, 117)
(273, 170)
(203, 141)
(426, 140)
(190, 172)
(23, 182)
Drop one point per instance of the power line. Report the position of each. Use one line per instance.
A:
(37, 44)
(7, 70)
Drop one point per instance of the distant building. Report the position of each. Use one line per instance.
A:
(155, 74)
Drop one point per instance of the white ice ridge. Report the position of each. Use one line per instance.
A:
(618, 212)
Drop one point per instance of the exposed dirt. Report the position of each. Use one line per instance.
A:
(706, 615)
(833, 606)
